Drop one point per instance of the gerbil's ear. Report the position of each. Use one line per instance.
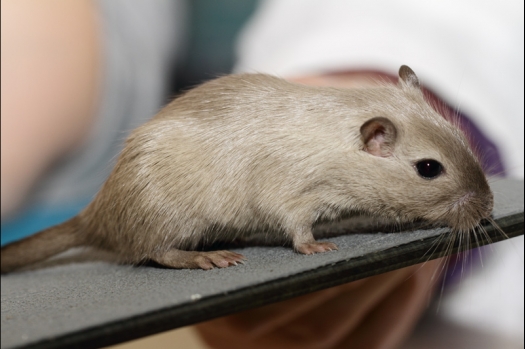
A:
(407, 77)
(379, 136)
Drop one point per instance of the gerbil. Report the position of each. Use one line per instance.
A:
(251, 152)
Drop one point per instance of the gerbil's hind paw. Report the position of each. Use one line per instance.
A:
(221, 259)
(198, 260)
(315, 247)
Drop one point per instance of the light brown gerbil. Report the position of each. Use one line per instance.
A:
(250, 153)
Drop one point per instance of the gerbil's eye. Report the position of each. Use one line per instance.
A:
(429, 169)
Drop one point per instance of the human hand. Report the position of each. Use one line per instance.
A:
(376, 312)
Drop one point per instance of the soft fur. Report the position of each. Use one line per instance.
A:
(249, 153)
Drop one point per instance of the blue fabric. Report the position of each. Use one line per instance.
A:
(37, 218)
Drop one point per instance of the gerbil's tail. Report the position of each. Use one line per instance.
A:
(41, 246)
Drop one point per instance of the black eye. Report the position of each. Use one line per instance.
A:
(429, 169)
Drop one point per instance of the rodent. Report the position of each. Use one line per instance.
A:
(252, 152)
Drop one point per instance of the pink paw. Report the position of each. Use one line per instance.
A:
(221, 259)
(315, 247)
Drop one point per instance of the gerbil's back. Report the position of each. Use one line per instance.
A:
(246, 152)
(251, 116)
(220, 155)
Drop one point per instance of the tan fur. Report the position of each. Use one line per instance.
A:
(249, 153)
(43, 245)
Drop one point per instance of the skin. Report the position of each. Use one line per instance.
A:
(376, 312)
(42, 44)
(50, 70)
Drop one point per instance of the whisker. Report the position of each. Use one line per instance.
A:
(497, 227)
(463, 251)
(475, 235)
(485, 234)
(452, 247)
(434, 246)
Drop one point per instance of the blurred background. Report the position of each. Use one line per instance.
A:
(470, 53)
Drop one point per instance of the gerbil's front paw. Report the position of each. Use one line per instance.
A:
(315, 247)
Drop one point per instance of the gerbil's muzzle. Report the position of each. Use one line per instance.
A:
(470, 209)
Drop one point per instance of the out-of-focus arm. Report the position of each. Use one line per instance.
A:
(50, 72)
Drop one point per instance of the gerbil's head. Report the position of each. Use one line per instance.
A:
(431, 172)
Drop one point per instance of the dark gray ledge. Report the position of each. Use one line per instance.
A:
(88, 302)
